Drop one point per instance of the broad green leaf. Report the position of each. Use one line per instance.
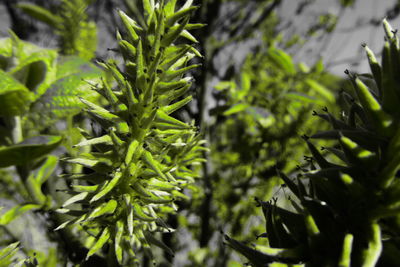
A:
(62, 97)
(16, 211)
(36, 71)
(14, 96)
(28, 150)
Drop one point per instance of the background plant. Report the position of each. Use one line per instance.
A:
(77, 35)
(344, 214)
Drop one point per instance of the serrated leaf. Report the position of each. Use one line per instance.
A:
(28, 150)
(61, 98)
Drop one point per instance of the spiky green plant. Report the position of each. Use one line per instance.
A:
(145, 156)
(346, 212)
(77, 35)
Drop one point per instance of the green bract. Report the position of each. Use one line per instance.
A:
(144, 157)
(345, 208)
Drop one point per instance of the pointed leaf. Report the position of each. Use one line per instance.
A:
(28, 150)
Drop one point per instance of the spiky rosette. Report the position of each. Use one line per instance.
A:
(145, 159)
(348, 208)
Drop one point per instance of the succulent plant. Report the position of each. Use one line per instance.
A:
(345, 208)
(145, 156)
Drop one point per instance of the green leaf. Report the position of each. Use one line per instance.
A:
(15, 212)
(119, 230)
(107, 187)
(40, 13)
(61, 98)
(28, 150)
(46, 169)
(105, 208)
(282, 59)
(7, 253)
(345, 257)
(105, 235)
(225, 85)
(321, 90)
(236, 108)
(14, 96)
(36, 70)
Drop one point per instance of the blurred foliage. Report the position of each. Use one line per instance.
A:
(253, 100)
(257, 129)
(39, 89)
(344, 212)
(77, 35)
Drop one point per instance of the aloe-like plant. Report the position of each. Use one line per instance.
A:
(144, 157)
(346, 206)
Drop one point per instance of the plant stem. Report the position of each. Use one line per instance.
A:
(16, 132)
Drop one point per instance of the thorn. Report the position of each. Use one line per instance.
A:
(346, 71)
(314, 113)
(364, 44)
(305, 137)
(100, 60)
(325, 109)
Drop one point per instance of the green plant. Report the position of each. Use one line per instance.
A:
(258, 117)
(345, 213)
(77, 35)
(144, 158)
